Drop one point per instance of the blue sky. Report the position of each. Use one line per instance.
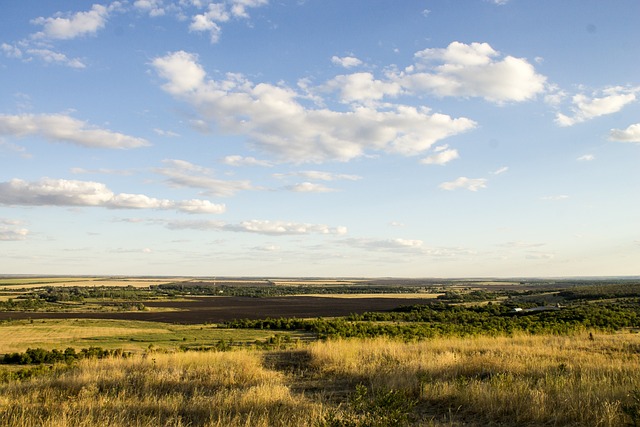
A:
(320, 138)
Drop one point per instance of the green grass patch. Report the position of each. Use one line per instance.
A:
(134, 336)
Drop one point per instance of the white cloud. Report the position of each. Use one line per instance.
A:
(52, 57)
(181, 173)
(76, 25)
(270, 228)
(11, 51)
(396, 224)
(471, 184)
(585, 108)
(9, 146)
(63, 128)
(409, 246)
(346, 61)
(272, 118)
(586, 158)
(500, 171)
(61, 192)
(441, 157)
(221, 12)
(245, 161)
(630, 134)
(152, 7)
(472, 70)
(10, 230)
(166, 133)
(363, 87)
(309, 187)
(239, 7)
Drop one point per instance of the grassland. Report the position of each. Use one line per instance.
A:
(522, 380)
(437, 354)
(134, 336)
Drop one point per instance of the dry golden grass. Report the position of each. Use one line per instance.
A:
(195, 389)
(507, 381)
(530, 380)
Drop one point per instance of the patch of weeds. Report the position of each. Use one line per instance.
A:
(367, 408)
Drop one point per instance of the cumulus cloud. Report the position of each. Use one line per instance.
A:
(218, 13)
(63, 128)
(472, 70)
(363, 87)
(245, 161)
(586, 108)
(346, 61)
(270, 228)
(471, 184)
(11, 230)
(443, 155)
(79, 24)
(181, 173)
(274, 121)
(61, 192)
(630, 134)
(586, 158)
(152, 7)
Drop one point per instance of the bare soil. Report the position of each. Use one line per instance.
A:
(220, 309)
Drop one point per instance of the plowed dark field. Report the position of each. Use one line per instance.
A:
(220, 309)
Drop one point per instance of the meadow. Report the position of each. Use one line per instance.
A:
(434, 354)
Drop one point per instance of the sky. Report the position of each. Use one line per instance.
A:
(320, 138)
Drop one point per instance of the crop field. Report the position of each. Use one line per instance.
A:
(196, 310)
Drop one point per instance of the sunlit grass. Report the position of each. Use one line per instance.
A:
(129, 335)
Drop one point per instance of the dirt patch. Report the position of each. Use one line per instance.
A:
(221, 309)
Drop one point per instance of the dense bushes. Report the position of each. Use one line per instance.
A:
(40, 355)
(428, 321)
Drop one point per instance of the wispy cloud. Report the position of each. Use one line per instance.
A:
(12, 230)
(586, 158)
(471, 184)
(64, 128)
(319, 176)
(266, 227)
(181, 173)
(310, 187)
(236, 160)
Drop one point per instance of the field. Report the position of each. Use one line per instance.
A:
(133, 336)
(319, 352)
